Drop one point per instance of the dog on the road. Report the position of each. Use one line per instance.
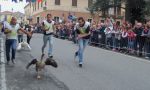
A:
(40, 64)
(23, 45)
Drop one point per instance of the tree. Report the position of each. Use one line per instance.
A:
(147, 9)
(102, 6)
(135, 9)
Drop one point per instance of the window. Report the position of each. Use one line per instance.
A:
(57, 2)
(90, 2)
(38, 19)
(45, 3)
(38, 5)
(102, 21)
(56, 19)
(90, 20)
(35, 6)
(74, 2)
(118, 22)
(41, 4)
(30, 5)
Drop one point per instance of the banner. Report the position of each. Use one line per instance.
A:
(33, 0)
(39, 1)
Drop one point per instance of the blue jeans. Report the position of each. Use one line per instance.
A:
(20, 38)
(147, 46)
(11, 44)
(82, 44)
(48, 38)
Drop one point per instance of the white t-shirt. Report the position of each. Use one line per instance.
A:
(48, 26)
(14, 29)
(85, 25)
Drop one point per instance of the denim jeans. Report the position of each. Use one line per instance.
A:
(11, 44)
(139, 41)
(48, 38)
(130, 44)
(147, 47)
(82, 44)
(20, 38)
(28, 39)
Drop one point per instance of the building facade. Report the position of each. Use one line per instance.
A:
(60, 9)
(6, 16)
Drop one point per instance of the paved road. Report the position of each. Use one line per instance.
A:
(18, 78)
(102, 70)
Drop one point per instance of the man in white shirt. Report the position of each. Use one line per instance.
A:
(48, 29)
(83, 35)
(11, 31)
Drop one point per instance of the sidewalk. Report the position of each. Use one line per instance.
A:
(1, 48)
(2, 64)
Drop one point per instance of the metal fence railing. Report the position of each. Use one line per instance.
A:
(123, 45)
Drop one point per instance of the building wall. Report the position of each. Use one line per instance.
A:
(59, 13)
(65, 8)
(65, 5)
(3, 17)
(123, 10)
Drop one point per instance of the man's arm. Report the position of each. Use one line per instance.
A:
(86, 34)
(43, 27)
(6, 31)
(28, 33)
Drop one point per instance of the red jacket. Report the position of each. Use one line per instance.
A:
(131, 35)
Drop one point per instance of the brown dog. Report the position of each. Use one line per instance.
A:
(39, 65)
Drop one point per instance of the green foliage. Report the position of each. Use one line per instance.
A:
(135, 9)
(103, 6)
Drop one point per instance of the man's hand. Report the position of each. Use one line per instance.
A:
(82, 35)
(6, 31)
(29, 34)
(44, 29)
(79, 36)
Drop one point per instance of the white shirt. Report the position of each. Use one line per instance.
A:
(124, 34)
(14, 29)
(48, 26)
(87, 24)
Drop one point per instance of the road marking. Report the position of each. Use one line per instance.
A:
(3, 72)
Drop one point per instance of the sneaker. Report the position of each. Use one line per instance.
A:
(147, 57)
(13, 61)
(51, 56)
(7, 62)
(80, 65)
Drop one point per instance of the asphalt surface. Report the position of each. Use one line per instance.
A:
(18, 78)
(102, 70)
